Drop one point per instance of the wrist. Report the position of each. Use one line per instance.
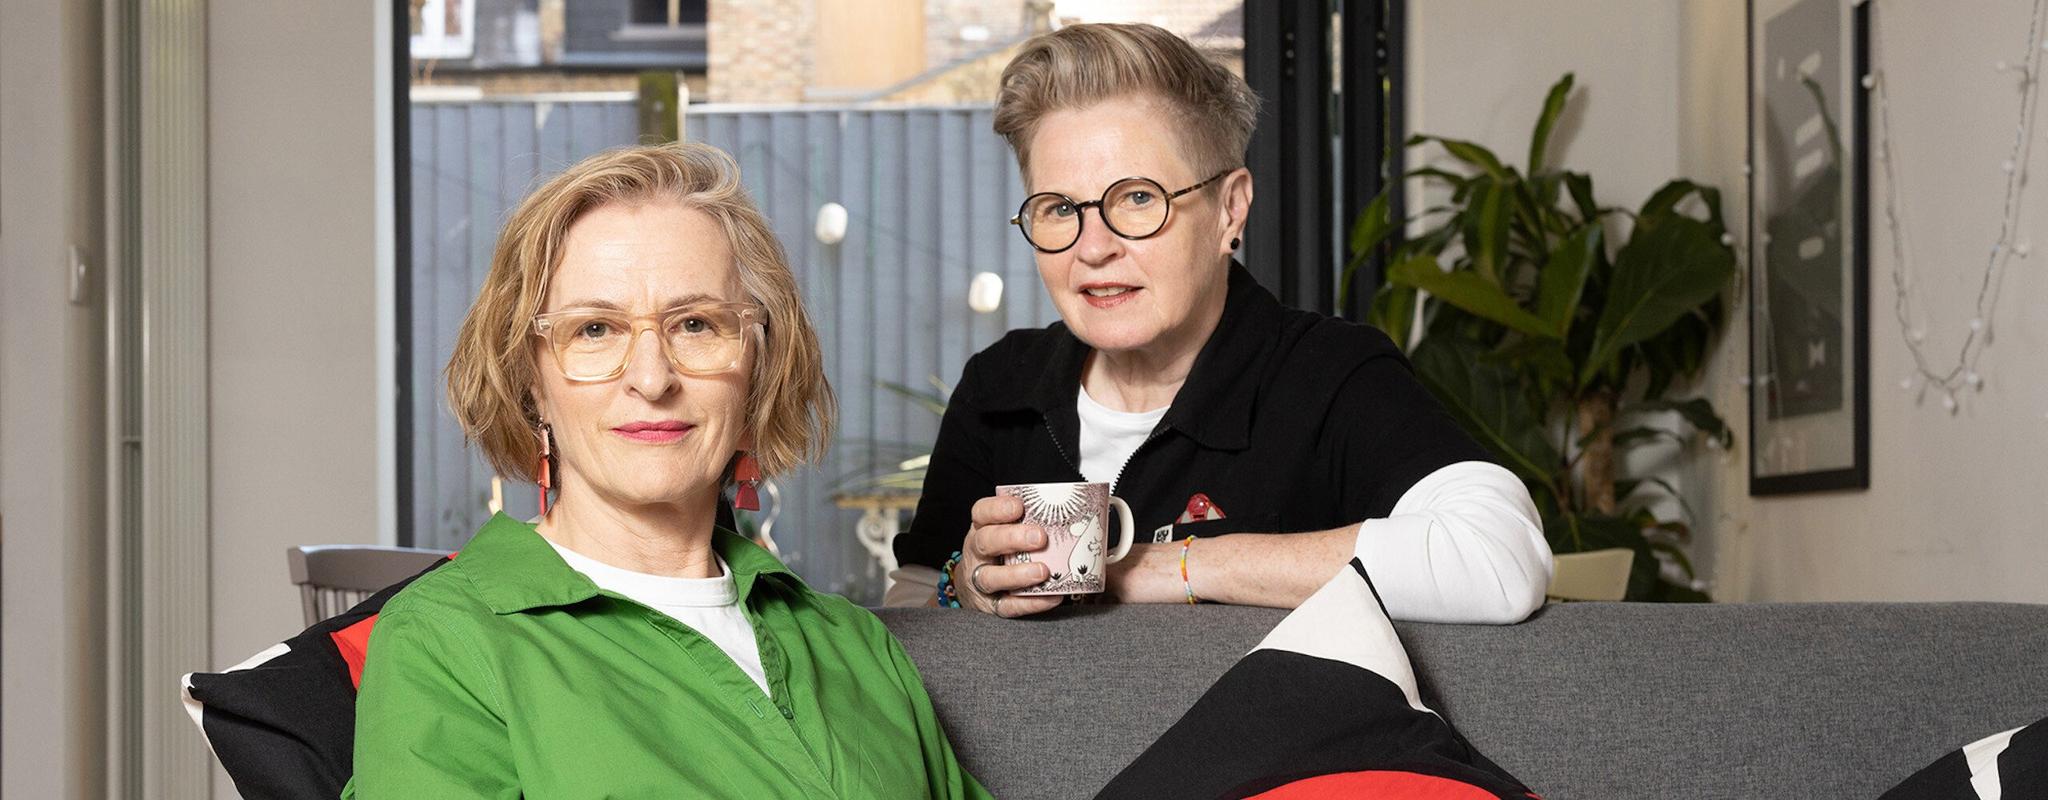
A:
(1150, 574)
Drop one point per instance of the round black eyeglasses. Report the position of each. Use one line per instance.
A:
(1133, 208)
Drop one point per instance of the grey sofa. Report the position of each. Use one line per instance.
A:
(1587, 700)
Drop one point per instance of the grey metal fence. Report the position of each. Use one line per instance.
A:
(927, 192)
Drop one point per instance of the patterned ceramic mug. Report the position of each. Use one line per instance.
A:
(1075, 518)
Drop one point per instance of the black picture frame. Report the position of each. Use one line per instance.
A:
(1806, 395)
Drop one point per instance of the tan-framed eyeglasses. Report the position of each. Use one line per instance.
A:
(594, 344)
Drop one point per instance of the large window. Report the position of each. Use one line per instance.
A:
(866, 141)
(667, 13)
(443, 28)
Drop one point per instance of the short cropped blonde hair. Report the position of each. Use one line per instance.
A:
(1212, 110)
(494, 369)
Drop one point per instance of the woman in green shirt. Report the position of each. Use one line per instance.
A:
(623, 645)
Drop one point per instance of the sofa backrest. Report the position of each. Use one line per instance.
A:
(1584, 700)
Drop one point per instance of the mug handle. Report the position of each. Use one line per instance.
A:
(1123, 515)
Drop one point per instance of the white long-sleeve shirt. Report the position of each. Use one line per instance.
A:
(1464, 544)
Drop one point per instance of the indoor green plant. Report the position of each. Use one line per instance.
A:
(1552, 344)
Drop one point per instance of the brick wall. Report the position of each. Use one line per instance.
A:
(759, 50)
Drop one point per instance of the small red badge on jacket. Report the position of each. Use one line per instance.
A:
(1201, 509)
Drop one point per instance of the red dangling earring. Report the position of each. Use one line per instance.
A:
(748, 473)
(544, 476)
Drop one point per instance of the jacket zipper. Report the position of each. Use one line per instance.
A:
(1119, 480)
(1076, 466)
(1156, 430)
(1055, 437)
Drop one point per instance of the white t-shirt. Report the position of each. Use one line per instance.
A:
(709, 606)
(1109, 437)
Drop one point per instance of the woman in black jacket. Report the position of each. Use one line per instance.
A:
(1219, 415)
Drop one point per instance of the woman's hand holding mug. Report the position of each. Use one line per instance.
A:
(1035, 543)
(981, 578)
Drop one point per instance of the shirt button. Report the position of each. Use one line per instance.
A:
(786, 713)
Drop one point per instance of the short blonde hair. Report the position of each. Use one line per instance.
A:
(1212, 110)
(490, 377)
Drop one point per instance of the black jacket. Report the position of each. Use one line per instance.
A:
(1289, 421)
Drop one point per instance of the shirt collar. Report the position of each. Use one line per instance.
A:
(515, 570)
(1214, 406)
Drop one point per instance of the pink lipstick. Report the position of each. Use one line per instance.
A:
(665, 432)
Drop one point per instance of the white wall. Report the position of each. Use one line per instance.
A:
(50, 458)
(51, 575)
(298, 263)
(1957, 503)
(293, 128)
(1478, 70)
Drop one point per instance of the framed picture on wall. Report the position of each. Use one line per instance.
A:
(1809, 330)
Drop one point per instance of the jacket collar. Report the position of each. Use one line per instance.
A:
(1214, 406)
(515, 570)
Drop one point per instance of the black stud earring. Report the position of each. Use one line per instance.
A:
(1234, 241)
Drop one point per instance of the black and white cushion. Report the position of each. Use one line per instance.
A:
(2007, 766)
(283, 722)
(1325, 707)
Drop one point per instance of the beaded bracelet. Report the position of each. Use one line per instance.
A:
(948, 596)
(1190, 585)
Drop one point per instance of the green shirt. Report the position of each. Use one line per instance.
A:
(506, 674)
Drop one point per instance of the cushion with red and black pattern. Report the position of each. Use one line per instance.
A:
(1326, 707)
(283, 723)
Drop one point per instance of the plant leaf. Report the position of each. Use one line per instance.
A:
(1664, 201)
(1677, 555)
(1633, 436)
(1545, 359)
(1662, 274)
(1436, 239)
(1564, 278)
(1553, 106)
(1367, 232)
(1623, 488)
(1446, 176)
(1467, 152)
(1486, 228)
(1660, 483)
(1698, 412)
(1372, 225)
(1529, 222)
(1580, 185)
(1468, 291)
(1485, 398)
(1393, 312)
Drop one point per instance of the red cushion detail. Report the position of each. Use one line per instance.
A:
(1377, 784)
(353, 642)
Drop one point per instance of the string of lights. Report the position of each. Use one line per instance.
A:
(1950, 379)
